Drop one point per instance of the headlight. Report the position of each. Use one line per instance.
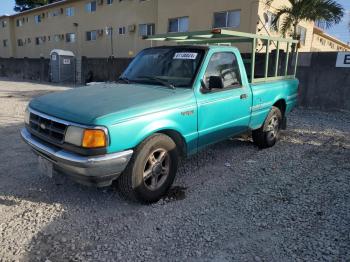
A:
(74, 135)
(26, 116)
(87, 138)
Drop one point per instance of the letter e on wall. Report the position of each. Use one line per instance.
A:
(343, 59)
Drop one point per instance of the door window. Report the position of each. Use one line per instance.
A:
(224, 65)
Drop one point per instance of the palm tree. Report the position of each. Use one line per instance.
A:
(290, 16)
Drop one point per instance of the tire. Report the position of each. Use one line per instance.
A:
(268, 135)
(151, 170)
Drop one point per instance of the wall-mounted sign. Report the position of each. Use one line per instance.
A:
(343, 59)
(54, 57)
(66, 61)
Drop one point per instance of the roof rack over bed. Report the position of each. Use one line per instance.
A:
(219, 36)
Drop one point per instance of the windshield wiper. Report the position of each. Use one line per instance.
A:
(159, 80)
(124, 79)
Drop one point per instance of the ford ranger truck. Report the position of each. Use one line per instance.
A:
(171, 102)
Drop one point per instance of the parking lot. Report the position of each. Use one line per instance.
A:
(231, 202)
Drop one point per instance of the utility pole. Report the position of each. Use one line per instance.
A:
(109, 31)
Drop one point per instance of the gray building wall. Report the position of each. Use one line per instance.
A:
(322, 85)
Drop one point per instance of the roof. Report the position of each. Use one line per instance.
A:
(322, 33)
(62, 52)
(43, 7)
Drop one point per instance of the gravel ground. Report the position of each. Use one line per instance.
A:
(232, 202)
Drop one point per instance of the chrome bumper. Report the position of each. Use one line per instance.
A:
(90, 170)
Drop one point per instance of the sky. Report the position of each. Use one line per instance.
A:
(340, 31)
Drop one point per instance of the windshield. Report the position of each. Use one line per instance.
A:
(170, 66)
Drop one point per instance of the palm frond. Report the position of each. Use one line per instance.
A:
(284, 11)
(328, 11)
(286, 25)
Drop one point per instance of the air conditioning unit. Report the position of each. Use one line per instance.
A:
(132, 28)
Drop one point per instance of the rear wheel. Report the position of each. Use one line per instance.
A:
(269, 133)
(151, 170)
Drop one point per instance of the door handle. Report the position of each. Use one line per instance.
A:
(244, 96)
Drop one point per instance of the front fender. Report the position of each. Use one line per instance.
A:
(157, 126)
(129, 134)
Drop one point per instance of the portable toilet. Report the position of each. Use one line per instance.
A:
(62, 66)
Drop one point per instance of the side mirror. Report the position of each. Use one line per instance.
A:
(216, 82)
(204, 88)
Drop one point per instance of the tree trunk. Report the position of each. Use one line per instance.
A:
(295, 36)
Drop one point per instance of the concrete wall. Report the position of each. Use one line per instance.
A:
(27, 68)
(322, 85)
(103, 69)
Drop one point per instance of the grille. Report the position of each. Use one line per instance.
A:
(47, 128)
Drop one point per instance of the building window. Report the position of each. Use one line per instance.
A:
(54, 13)
(146, 29)
(5, 43)
(122, 30)
(20, 42)
(4, 24)
(270, 19)
(301, 32)
(19, 22)
(227, 19)
(37, 19)
(40, 40)
(70, 38)
(180, 24)
(57, 38)
(90, 7)
(70, 11)
(322, 41)
(91, 35)
(109, 2)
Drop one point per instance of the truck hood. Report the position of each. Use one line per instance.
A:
(106, 104)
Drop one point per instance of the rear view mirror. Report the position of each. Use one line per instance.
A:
(216, 82)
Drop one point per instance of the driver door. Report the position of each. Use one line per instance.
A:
(224, 111)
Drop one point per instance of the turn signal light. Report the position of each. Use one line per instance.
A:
(94, 138)
(216, 31)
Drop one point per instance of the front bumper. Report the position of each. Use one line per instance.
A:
(89, 170)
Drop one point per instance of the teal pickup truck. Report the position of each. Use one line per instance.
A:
(169, 103)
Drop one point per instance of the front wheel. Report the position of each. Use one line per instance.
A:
(269, 133)
(151, 170)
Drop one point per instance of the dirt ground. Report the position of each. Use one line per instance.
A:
(231, 202)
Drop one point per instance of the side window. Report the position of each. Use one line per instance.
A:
(225, 66)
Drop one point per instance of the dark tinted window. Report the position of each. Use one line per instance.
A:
(226, 66)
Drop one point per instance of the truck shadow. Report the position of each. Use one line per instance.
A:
(82, 221)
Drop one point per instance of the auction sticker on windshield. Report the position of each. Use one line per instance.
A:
(186, 56)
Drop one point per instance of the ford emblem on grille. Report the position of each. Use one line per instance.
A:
(42, 126)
